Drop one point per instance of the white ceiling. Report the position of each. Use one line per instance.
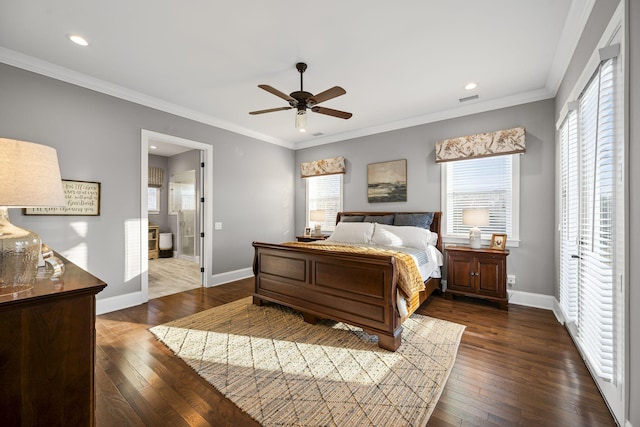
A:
(401, 63)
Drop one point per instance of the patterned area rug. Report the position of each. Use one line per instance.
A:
(285, 372)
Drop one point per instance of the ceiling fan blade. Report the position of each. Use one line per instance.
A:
(277, 93)
(332, 112)
(270, 110)
(326, 95)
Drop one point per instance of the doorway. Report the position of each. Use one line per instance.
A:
(189, 244)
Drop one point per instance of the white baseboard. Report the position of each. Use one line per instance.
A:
(107, 305)
(230, 276)
(530, 299)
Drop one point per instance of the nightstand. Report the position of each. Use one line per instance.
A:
(478, 273)
(310, 238)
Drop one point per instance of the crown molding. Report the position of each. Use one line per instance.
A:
(579, 13)
(57, 72)
(452, 113)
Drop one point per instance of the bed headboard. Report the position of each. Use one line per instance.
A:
(435, 224)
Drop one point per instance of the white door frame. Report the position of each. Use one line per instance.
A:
(207, 256)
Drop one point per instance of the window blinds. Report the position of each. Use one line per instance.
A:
(325, 193)
(589, 198)
(480, 183)
(596, 220)
(156, 177)
(569, 217)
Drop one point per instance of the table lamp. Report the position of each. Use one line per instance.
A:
(475, 217)
(29, 177)
(318, 217)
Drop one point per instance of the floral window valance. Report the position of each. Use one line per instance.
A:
(331, 166)
(156, 177)
(498, 143)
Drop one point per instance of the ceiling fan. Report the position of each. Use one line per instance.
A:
(302, 101)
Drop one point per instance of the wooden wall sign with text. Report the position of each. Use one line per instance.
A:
(82, 197)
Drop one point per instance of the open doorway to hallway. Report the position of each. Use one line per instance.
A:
(175, 214)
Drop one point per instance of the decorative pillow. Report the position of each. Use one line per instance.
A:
(380, 219)
(352, 218)
(405, 236)
(352, 232)
(415, 220)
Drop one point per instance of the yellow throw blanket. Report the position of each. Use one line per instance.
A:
(409, 281)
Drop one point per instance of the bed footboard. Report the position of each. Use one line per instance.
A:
(352, 288)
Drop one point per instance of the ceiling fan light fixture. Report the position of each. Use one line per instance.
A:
(301, 120)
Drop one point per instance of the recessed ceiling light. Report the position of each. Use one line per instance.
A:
(153, 147)
(77, 39)
(470, 86)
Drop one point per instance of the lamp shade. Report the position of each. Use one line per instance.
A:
(317, 215)
(29, 175)
(475, 216)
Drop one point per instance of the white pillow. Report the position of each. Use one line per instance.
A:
(353, 232)
(403, 236)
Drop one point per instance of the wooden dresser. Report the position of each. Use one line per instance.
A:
(47, 351)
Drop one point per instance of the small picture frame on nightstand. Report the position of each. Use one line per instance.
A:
(307, 231)
(498, 241)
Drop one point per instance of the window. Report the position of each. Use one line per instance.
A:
(491, 182)
(324, 193)
(153, 200)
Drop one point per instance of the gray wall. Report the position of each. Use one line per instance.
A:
(98, 139)
(532, 262)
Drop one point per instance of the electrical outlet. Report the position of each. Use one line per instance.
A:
(511, 280)
(217, 226)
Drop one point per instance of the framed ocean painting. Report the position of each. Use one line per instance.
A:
(387, 181)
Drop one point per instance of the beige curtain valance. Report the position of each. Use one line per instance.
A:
(156, 177)
(498, 143)
(322, 167)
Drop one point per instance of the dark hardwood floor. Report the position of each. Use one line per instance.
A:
(516, 367)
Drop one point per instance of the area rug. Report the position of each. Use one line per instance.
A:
(285, 372)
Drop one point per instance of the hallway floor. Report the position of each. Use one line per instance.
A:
(172, 275)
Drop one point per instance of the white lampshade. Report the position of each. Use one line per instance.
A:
(29, 177)
(475, 216)
(317, 216)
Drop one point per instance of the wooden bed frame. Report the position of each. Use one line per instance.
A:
(353, 288)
